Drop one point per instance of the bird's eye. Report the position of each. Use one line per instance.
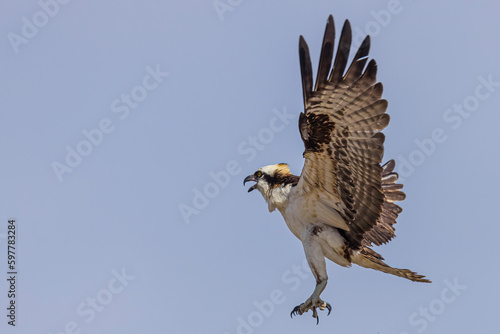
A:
(258, 174)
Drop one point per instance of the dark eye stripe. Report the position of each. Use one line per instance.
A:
(280, 179)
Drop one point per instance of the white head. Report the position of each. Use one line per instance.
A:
(272, 181)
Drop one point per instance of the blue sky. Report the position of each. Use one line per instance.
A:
(128, 127)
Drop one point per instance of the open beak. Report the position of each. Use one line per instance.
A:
(250, 178)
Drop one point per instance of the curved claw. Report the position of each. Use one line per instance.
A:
(295, 311)
(329, 307)
(315, 315)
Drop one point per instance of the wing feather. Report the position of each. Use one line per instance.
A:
(305, 69)
(326, 56)
(342, 56)
(341, 129)
(359, 61)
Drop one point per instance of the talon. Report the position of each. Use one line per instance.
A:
(329, 307)
(315, 315)
(295, 311)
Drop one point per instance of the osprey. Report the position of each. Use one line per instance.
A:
(343, 202)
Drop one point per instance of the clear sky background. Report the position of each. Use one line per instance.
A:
(150, 230)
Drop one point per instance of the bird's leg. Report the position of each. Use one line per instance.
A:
(316, 260)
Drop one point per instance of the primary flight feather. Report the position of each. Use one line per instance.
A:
(343, 202)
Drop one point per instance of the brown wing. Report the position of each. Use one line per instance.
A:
(344, 115)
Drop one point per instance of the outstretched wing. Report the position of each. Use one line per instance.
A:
(344, 115)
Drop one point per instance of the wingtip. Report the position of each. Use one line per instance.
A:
(347, 25)
(330, 19)
(366, 44)
(302, 42)
(370, 72)
(330, 27)
(305, 68)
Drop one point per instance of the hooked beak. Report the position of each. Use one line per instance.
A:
(250, 178)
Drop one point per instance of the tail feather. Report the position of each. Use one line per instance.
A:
(368, 258)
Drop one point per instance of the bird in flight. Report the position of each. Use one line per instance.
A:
(342, 204)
